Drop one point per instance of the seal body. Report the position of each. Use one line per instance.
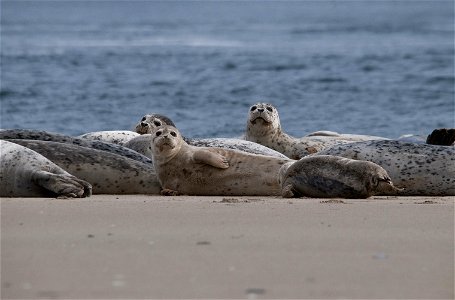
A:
(25, 173)
(420, 169)
(16, 134)
(194, 170)
(118, 137)
(331, 176)
(107, 172)
(264, 127)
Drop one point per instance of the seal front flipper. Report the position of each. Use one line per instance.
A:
(211, 158)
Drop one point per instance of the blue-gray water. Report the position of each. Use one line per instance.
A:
(384, 68)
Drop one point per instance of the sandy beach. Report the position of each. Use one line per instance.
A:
(111, 246)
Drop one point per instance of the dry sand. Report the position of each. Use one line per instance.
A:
(112, 246)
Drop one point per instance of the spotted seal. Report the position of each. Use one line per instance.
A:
(107, 172)
(326, 176)
(202, 171)
(26, 173)
(149, 122)
(264, 127)
(61, 138)
(421, 169)
(186, 169)
(118, 137)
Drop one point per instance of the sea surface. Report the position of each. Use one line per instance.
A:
(369, 67)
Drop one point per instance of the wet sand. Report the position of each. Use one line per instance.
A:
(110, 246)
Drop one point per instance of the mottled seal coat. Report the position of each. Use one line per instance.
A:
(25, 173)
(118, 137)
(56, 137)
(194, 170)
(332, 176)
(264, 127)
(108, 173)
(151, 121)
(421, 169)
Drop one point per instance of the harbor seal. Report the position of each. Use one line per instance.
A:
(192, 170)
(186, 169)
(107, 172)
(151, 121)
(118, 137)
(421, 169)
(25, 173)
(264, 127)
(40, 135)
(326, 176)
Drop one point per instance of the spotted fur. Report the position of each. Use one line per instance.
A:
(420, 169)
(264, 127)
(26, 173)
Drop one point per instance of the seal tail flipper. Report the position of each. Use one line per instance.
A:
(63, 184)
(211, 158)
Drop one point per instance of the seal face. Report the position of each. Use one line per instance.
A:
(25, 173)
(194, 170)
(331, 176)
(150, 121)
(263, 127)
(421, 169)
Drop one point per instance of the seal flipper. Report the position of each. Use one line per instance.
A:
(211, 158)
(63, 184)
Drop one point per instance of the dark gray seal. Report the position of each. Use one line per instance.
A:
(327, 176)
(26, 173)
(107, 172)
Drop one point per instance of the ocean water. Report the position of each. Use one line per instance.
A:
(369, 67)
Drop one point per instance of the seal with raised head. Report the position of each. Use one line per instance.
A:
(107, 172)
(151, 121)
(193, 170)
(186, 169)
(25, 173)
(326, 176)
(420, 169)
(264, 127)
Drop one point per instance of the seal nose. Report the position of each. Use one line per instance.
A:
(143, 124)
(260, 109)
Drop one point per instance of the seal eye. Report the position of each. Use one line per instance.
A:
(253, 108)
(143, 119)
(158, 133)
(173, 134)
(157, 123)
(269, 108)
